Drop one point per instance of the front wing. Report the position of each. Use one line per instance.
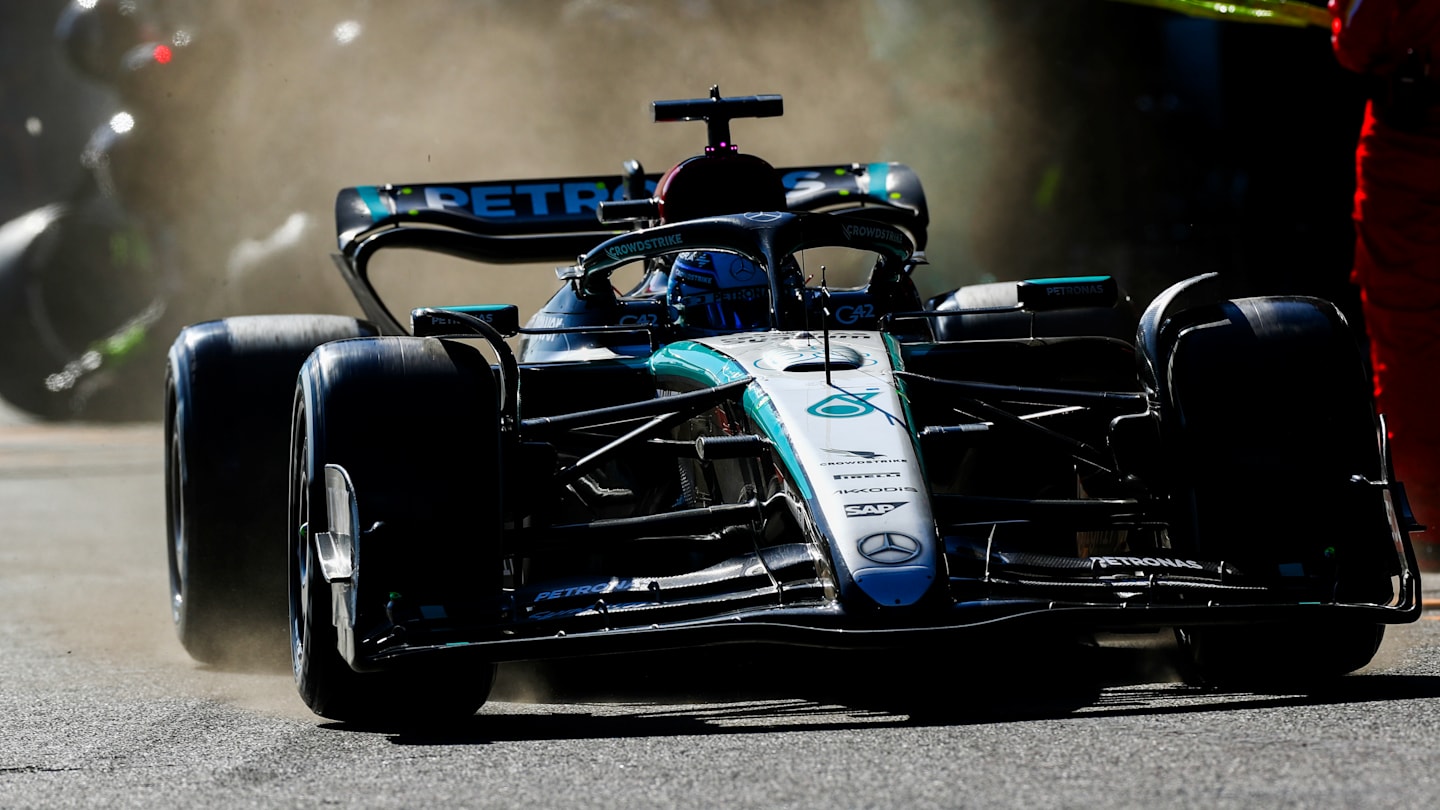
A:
(750, 600)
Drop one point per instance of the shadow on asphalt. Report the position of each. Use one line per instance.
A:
(1180, 699)
(727, 693)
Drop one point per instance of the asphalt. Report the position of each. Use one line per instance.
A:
(102, 708)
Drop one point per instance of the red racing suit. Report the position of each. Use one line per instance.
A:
(1397, 223)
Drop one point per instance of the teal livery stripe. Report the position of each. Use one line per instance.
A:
(761, 411)
(879, 180)
(897, 362)
(695, 362)
(371, 195)
(1070, 280)
(698, 363)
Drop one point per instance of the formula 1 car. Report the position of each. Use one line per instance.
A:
(734, 452)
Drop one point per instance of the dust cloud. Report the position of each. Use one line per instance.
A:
(312, 97)
(236, 144)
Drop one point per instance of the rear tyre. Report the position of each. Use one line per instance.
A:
(415, 424)
(1266, 410)
(228, 391)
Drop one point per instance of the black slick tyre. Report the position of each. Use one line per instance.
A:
(1275, 656)
(414, 423)
(228, 391)
(1271, 433)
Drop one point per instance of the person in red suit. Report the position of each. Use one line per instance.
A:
(1397, 224)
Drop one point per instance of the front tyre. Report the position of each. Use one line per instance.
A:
(1272, 441)
(1282, 656)
(414, 422)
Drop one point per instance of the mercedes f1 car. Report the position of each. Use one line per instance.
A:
(734, 451)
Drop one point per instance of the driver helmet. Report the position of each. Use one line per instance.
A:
(719, 293)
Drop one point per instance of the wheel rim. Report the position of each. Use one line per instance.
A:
(175, 514)
(299, 549)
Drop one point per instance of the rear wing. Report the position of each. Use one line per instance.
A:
(557, 219)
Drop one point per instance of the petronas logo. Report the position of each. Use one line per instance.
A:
(843, 406)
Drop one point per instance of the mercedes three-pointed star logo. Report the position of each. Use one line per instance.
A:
(741, 269)
(889, 548)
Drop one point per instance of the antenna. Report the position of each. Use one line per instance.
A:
(825, 322)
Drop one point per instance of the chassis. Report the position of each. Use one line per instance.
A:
(869, 471)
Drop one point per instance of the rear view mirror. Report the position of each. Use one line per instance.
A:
(1037, 295)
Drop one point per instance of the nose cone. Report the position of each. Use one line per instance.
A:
(895, 586)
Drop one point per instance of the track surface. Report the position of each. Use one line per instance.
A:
(103, 708)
